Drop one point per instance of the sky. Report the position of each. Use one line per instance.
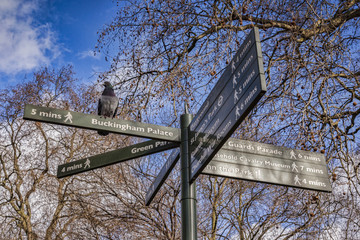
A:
(51, 33)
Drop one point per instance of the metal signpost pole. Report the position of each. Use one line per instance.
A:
(188, 191)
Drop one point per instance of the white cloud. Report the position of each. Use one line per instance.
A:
(89, 54)
(23, 45)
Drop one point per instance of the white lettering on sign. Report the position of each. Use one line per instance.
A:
(211, 167)
(317, 183)
(226, 169)
(248, 44)
(220, 101)
(212, 113)
(142, 149)
(239, 74)
(234, 171)
(122, 127)
(240, 146)
(312, 158)
(216, 107)
(244, 103)
(314, 170)
(248, 61)
(278, 165)
(47, 114)
(160, 143)
(212, 130)
(199, 116)
(223, 131)
(247, 80)
(251, 94)
(237, 59)
(269, 150)
(222, 156)
(251, 161)
(74, 167)
(149, 147)
(160, 132)
(198, 132)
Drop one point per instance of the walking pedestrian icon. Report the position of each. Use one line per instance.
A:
(68, 117)
(236, 97)
(237, 113)
(297, 180)
(294, 167)
(233, 66)
(87, 163)
(234, 81)
(292, 154)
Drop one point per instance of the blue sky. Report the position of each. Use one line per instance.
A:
(53, 33)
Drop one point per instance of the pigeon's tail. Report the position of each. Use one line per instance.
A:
(102, 133)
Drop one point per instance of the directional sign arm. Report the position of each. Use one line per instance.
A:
(264, 175)
(241, 88)
(112, 157)
(253, 161)
(95, 122)
(162, 176)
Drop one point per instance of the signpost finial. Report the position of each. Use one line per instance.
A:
(186, 108)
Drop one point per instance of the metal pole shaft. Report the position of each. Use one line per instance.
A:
(188, 191)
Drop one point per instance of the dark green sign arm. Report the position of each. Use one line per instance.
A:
(112, 157)
(95, 122)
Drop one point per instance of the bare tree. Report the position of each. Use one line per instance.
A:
(164, 53)
(106, 203)
(34, 204)
(175, 50)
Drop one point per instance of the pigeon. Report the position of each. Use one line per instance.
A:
(108, 104)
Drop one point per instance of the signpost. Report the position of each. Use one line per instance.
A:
(95, 122)
(204, 144)
(238, 90)
(112, 157)
(267, 163)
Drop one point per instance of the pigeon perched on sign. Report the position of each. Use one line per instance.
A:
(108, 104)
